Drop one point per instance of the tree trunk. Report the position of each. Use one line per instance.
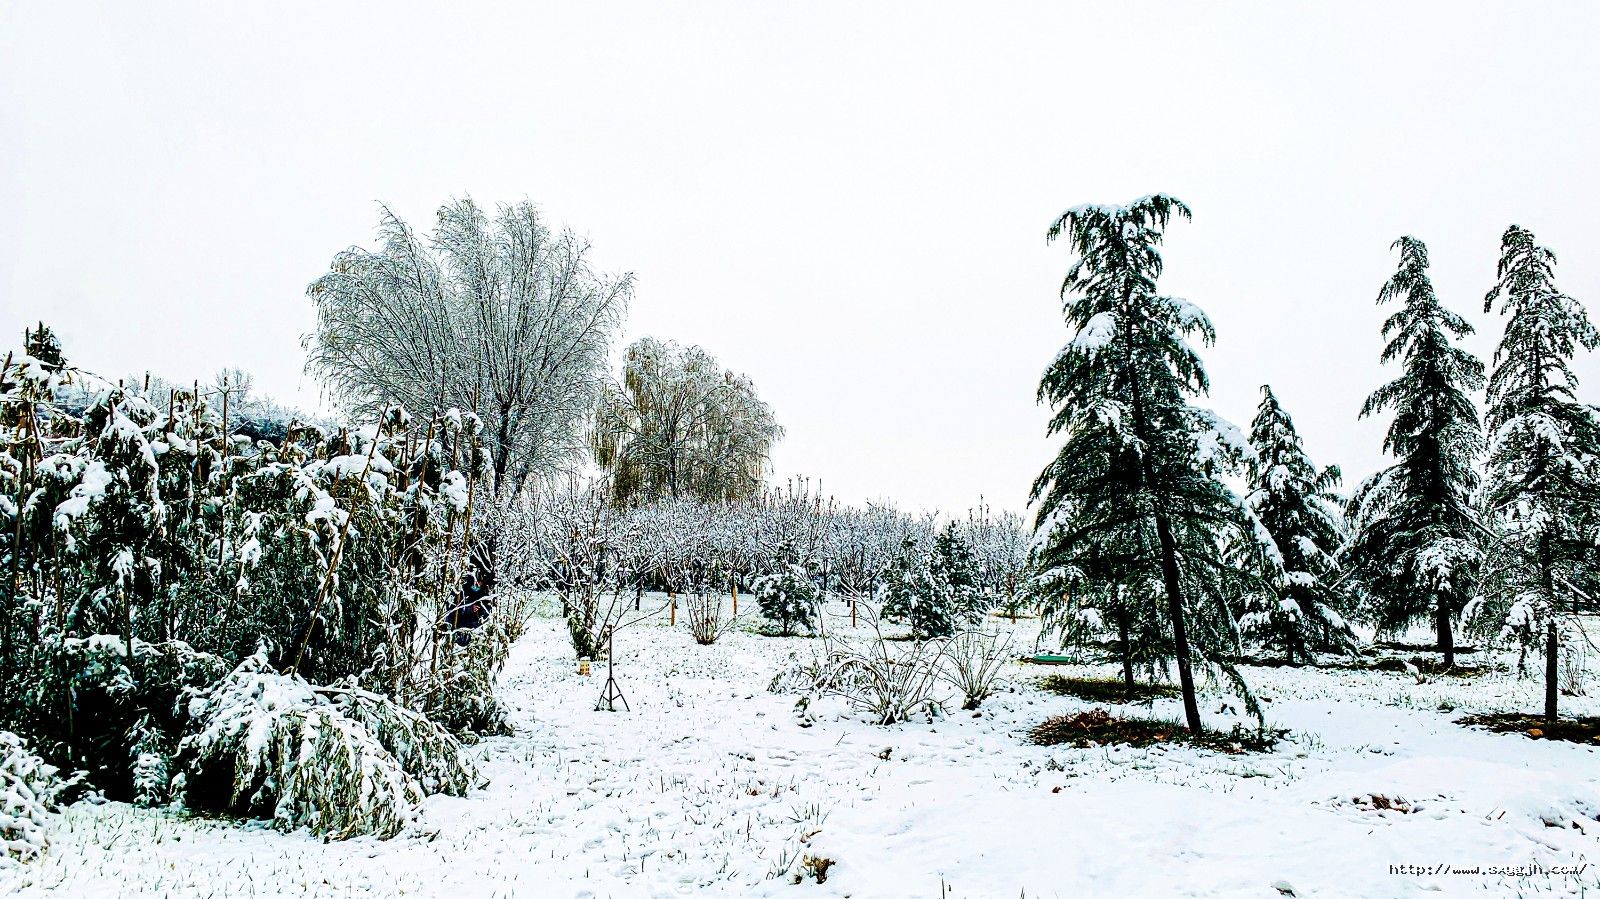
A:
(1551, 694)
(1180, 636)
(1447, 639)
(1169, 547)
(1552, 643)
(1127, 652)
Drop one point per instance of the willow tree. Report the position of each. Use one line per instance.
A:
(1136, 490)
(678, 425)
(503, 316)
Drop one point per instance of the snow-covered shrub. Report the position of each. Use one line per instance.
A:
(461, 697)
(269, 745)
(974, 660)
(96, 709)
(423, 749)
(29, 791)
(147, 522)
(706, 621)
(890, 681)
(787, 598)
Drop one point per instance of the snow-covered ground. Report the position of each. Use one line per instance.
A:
(710, 787)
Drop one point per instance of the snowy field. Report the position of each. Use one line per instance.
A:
(710, 787)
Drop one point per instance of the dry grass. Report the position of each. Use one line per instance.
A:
(1534, 727)
(1106, 689)
(1097, 727)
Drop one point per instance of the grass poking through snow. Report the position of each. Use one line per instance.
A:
(1106, 689)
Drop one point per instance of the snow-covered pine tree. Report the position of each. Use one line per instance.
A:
(1415, 545)
(1139, 471)
(788, 598)
(1299, 612)
(1543, 479)
(935, 589)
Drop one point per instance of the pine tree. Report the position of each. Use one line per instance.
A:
(1299, 611)
(935, 592)
(1137, 483)
(1544, 455)
(788, 598)
(1416, 547)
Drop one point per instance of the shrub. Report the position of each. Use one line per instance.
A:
(269, 745)
(938, 591)
(98, 710)
(788, 598)
(29, 793)
(704, 611)
(891, 681)
(460, 695)
(974, 662)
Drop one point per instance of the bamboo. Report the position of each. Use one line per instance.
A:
(333, 561)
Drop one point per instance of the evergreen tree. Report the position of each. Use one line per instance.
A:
(935, 592)
(1299, 611)
(1544, 455)
(1416, 547)
(788, 598)
(1137, 484)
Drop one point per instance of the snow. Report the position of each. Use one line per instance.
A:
(1190, 316)
(454, 490)
(95, 481)
(1096, 334)
(352, 465)
(709, 787)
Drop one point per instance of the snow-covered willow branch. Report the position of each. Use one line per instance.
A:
(501, 315)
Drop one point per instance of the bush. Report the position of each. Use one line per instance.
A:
(704, 611)
(892, 682)
(461, 696)
(29, 793)
(269, 745)
(788, 598)
(974, 662)
(97, 710)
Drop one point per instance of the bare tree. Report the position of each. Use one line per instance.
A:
(503, 316)
(678, 425)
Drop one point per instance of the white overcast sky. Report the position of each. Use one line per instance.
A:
(845, 201)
